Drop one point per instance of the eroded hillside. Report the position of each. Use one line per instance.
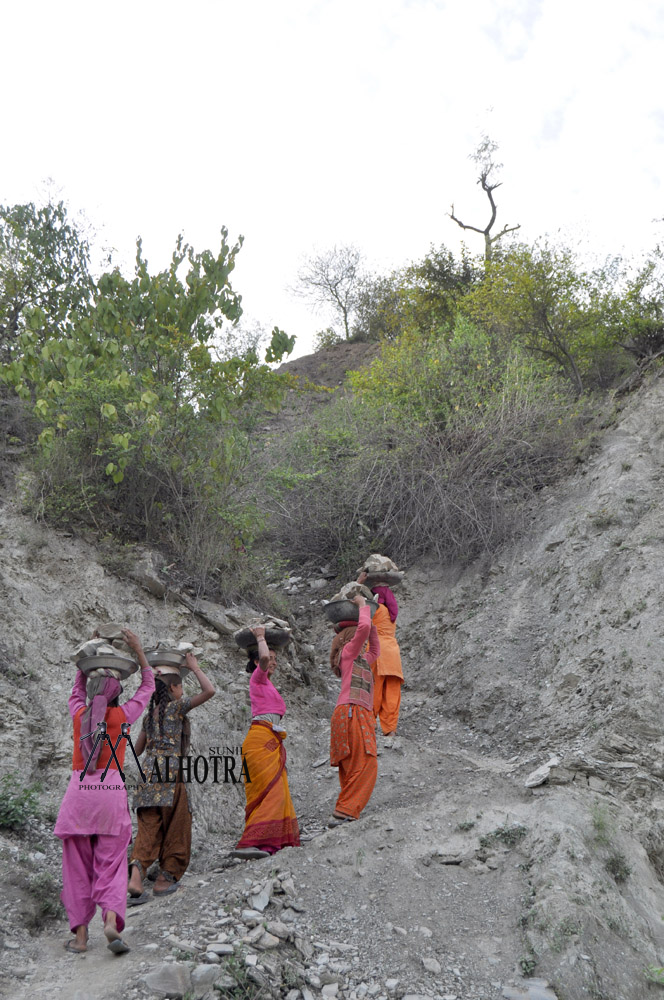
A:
(458, 881)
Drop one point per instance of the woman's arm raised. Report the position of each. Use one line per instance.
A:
(207, 689)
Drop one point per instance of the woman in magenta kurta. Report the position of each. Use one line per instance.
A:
(353, 731)
(94, 823)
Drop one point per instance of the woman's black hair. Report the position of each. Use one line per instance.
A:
(160, 699)
(252, 662)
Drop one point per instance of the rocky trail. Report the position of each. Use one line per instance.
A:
(383, 907)
(468, 876)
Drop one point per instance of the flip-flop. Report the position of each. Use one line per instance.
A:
(338, 820)
(166, 892)
(73, 948)
(118, 946)
(249, 853)
(138, 900)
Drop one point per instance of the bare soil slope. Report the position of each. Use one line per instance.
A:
(458, 880)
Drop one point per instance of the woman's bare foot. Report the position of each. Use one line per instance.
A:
(79, 943)
(111, 932)
(112, 935)
(135, 884)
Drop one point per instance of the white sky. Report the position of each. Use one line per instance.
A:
(306, 123)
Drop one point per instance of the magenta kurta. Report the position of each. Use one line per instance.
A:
(95, 827)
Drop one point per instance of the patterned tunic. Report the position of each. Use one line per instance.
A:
(160, 783)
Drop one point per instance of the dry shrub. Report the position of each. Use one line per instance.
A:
(369, 482)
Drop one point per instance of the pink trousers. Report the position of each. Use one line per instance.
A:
(94, 872)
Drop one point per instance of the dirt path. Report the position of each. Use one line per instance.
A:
(383, 885)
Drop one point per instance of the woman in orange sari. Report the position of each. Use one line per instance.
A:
(270, 820)
(387, 670)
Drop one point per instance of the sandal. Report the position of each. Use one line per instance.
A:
(338, 820)
(249, 853)
(138, 900)
(136, 895)
(75, 949)
(118, 946)
(165, 877)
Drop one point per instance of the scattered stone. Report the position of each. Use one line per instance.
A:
(168, 980)
(391, 985)
(211, 958)
(307, 994)
(251, 917)
(267, 941)
(261, 899)
(304, 947)
(533, 989)
(432, 965)
(219, 948)
(330, 989)
(203, 977)
(541, 775)
(278, 929)
(251, 960)
(293, 995)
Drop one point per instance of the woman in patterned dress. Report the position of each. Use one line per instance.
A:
(164, 814)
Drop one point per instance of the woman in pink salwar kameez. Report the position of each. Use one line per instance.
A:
(94, 823)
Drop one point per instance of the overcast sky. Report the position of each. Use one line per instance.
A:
(305, 123)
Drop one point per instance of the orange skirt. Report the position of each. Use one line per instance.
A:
(270, 820)
(353, 748)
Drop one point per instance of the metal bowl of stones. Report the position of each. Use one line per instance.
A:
(122, 664)
(275, 638)
(346, 611)
(165, 658)
(390, 578)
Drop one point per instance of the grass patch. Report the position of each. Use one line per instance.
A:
(618, 867)
(599, 816)
(654, 974)
(17, 803)
(510, 836)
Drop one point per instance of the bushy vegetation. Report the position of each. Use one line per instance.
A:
(144, 411)
(435, 452)
(143, 401)
(18, 803)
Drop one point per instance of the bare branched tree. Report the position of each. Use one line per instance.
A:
(333, 279)
(484, 158)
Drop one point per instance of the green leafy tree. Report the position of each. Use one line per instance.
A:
(44, 265)
(145, 414)
(421, 299)
(542, 298)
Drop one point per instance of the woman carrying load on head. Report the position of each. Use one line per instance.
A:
(387, 670)
(353, 729)
(162, 804)
(270, 820)
(94, 823)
